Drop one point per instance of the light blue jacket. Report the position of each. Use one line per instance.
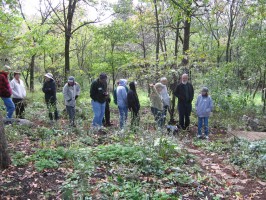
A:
(122, 93)
(204, 106)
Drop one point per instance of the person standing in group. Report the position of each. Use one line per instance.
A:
(165, 98)
(204, 106)
(185, 94)
(115, 93)
(6, 92)
(18, 94)
(98, 94)
(71, 92)
(157, 103)
(121, 94)
(49, 89)
(133, 104)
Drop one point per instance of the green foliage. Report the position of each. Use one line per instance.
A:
(50, 158)
(120, 153)
(20, 159)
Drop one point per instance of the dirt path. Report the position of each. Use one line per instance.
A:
(251, 136)
(236, 183)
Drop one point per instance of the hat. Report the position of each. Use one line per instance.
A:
(17, 72)
(6, 68)
(205, 89)
(103, 76)
(49, 75)
(71, 79)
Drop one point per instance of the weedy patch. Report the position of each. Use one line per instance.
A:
(250, 156)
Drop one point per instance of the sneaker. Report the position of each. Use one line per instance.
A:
(207, 137)
(199, 136)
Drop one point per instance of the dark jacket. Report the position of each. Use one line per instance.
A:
(133, 101)
(49, 89)
(5, 89)
(98, 91)
(180, 93)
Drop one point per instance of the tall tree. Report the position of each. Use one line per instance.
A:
(64, 18)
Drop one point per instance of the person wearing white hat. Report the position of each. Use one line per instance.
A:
(49, 89)
(71, 92)
(18, 94)
(6, 91)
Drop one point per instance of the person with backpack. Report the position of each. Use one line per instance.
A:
(204, 106)
(49, 89)
(71, 92)
(6, 92)
(133, 104)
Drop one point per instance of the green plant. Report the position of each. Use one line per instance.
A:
(20, 159)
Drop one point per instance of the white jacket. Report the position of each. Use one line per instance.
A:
(165, 96)
(18, 89)
(70, 92)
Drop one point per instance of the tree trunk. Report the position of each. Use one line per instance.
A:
(67, 60)
(32, 66)
(177, 34)
(186, 36)
(4, 157)
(157, 31)
(230, 31)
(186, 41)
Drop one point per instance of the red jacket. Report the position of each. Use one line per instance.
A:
(5, 89)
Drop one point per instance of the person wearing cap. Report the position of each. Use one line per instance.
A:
(18, 94)
(71, 92)
(121, 94)
(6, 91)
(49, 89)
(165, 97)
(185, 94)
(98, 94)
(204, 106)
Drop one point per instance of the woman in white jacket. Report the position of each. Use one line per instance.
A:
(18, 94)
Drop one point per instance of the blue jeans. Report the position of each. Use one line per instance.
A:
(122, 115)
(98, 110)
(10, 106)
(158, 116)
(204, 120)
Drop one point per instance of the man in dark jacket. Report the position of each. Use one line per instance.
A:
(49, 89)
(185, 94)
(6, 92)
(98, 95)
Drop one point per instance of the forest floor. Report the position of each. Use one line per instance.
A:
(250, 135)
(216, 178)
